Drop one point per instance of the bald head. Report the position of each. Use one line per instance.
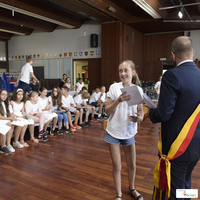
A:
(182, 47)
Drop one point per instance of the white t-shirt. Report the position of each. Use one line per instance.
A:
(78, 99)
(119, 126)
(94, 97)
(25, 73)
(67, 101)
(29, 107)
(157, 86)
(79, 86)
(103, 98)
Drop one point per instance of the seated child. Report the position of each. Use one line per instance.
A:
(103, 100)
(34, 85)
(43, 103)
(56, 101)
(63, 80)
(69, 84)
(80, 101)
(68, 102)
(17, 102)
(7, 118)
(79, 85)
(32, 110)
(95, 101)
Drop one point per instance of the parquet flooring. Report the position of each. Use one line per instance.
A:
(78, 166)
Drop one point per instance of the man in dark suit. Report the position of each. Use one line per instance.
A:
(179, 97)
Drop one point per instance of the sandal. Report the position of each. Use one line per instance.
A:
(24, 143)
(118, 197)
(34, 140)
(138, 197)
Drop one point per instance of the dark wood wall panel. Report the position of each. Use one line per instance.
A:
(94, 72)
(109, 52)
(156, 46)
(116, 47)
(133, 47)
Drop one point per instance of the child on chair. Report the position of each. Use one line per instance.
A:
(56, 102)
(17, 102)
(32, 110)
(43, 104)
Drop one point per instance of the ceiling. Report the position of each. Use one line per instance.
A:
(21, 17)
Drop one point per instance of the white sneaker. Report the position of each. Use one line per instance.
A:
(18, 145)
(10, 148)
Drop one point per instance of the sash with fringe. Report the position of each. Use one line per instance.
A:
(162, 171)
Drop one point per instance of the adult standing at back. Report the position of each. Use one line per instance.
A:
(25, 75)
(180, 138)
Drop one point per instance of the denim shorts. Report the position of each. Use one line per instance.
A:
(126, 142)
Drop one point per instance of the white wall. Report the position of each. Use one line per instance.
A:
(49, 45)
(195, 36)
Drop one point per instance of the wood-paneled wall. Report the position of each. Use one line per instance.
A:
(156, 46)
(5, 64)
(117, 46)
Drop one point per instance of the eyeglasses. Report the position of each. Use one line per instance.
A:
(5, 95)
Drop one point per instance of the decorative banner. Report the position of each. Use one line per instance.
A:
(60, 54)
(65, 54)
(12, 57)
(97, 53)
(91, 53)
(19, 57)
(42, 55)
(75, 53)
(34, 56)
(70, 54)
(46, 54)
(86, 53)
(55, 54)
(80, 53)
(38, 55)
(51, 55)
(15, 57)
(23, 56)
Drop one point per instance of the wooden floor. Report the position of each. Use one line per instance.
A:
(78, 167)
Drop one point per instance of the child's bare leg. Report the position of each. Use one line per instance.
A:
(22, 133)
(80, 116)
(31, 130)
(55, 120)
(76, 116)
(47, 124)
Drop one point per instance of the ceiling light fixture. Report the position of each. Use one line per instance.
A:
(180, 13)
(110, 8)
(147, 8)
(2, 5)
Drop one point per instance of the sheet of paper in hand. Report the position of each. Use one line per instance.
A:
(27, 115)
(51, 108)
(149, 102)
(4, 128)
(135, 93)
(72, 109)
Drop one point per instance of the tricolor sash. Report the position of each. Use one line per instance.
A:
(162, 171)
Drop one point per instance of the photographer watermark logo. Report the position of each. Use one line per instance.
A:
(186, 193)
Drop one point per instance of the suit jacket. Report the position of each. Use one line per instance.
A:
(179, 97)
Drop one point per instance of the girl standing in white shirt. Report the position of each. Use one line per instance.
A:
(122, 126)
(49, 116)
